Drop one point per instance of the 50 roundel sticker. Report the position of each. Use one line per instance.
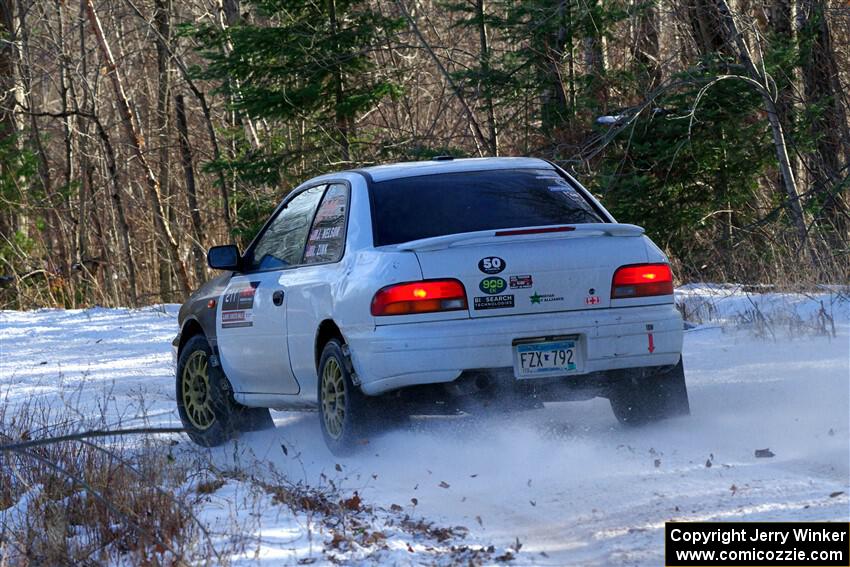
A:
(491, 265)
(493, 285)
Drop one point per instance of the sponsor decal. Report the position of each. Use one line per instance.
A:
(493, 285)
(235, 319)
(493, 302)
(538, 298)
(521, 282)
(237, 306)
(491, 265)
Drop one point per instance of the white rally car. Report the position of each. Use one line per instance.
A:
(425, 286)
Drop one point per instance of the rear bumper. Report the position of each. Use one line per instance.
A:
(396, 356)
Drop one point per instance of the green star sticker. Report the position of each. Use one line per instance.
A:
(535, 298)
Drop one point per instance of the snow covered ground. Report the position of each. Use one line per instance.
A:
(568, 483)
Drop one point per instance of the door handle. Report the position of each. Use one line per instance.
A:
(277, 297)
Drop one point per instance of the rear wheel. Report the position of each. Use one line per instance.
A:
(346, 414)
(205, 399)
(643, 396)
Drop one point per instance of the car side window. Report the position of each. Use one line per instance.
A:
(282, 244)
(327, 235)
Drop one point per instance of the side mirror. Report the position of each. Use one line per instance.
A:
(224, 258)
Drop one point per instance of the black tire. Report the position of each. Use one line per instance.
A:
(206, 406)
(346, 414)
(641, 396)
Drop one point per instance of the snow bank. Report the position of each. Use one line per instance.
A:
(569, 483)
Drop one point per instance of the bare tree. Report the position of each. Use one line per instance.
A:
(762, 83)
(137, 144)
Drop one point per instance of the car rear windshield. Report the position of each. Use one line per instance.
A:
(451, 203)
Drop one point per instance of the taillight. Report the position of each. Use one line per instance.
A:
(642, 280)
(419, 297)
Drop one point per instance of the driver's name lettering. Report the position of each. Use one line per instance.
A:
(325, 233)
(316, 250)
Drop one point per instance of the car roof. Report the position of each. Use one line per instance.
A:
(431, 167)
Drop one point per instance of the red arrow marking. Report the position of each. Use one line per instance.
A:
(651, 343)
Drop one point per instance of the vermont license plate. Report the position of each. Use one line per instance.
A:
(546, 358)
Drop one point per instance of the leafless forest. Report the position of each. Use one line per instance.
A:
(134, 134)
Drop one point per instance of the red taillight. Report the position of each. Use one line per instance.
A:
(642, 280)
(419, 297)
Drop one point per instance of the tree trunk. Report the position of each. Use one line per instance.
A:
(707, 27)
(118, 206)
(231, 10)
(137, 144)
(57, 250)
(229, 15)
(342, 122)
(484, 62)
(593, 46)
(646, 52)
(162, 21)
(829, 127)
(67, 118)
(553, 98)
(780, 22)
(191, 196)
(11, 101)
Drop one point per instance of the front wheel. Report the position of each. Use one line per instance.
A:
(205, 399)
(641, 396)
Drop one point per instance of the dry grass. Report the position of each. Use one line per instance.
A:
(80, 503)
(129, 501)
(767, 311)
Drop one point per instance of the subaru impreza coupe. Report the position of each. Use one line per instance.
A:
(414, 287)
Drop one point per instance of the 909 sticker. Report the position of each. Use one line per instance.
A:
(493, 285)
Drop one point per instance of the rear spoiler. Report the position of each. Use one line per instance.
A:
(530, 232)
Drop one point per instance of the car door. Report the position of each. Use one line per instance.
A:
(312, 288)
(252, 316)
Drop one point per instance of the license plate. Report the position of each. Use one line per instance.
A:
(546, 358)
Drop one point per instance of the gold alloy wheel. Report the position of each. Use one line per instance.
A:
(195, 386)
(333, 398)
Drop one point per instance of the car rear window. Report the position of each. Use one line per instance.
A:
(451, 203)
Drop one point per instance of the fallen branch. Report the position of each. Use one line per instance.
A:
(91, 434)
